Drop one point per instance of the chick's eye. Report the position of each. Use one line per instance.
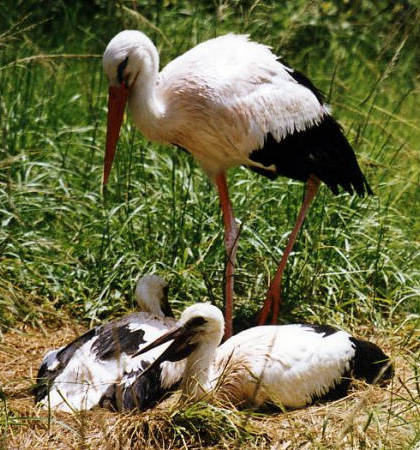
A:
(197, 321)
(120, 70)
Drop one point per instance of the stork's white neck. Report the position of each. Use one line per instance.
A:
(151, 305)
(146, 106)
(196, 381)
(150, 294)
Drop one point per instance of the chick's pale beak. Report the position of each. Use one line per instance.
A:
(116, 105)
(174, 334)
(179, 349)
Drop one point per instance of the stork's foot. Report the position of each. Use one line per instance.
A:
(271, 305)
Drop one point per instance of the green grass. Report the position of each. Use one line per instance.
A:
(63, 241)
(64, 245)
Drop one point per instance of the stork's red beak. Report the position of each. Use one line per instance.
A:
(116, 105)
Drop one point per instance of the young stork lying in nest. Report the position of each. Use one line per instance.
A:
(85, 373)
(290, 365)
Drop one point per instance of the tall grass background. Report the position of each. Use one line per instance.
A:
(64, 246)
(64, 243)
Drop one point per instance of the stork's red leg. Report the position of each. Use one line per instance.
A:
(231, 244)
(273, 298)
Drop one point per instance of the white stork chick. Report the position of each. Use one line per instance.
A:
(290, 365)
(230, 102)
(83, 373)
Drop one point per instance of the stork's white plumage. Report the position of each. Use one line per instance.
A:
(289, 365)
(230, 102)
(83, 373)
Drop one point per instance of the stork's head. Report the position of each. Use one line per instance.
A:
(202, 322)
(201, 325)
(152, 295)
(130, 55)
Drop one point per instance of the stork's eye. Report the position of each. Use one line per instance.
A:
(120, 70)
(195, 322)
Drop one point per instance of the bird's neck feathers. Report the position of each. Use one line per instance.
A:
(152, 306)
(148, 300)
(146, 106)
(196, 381)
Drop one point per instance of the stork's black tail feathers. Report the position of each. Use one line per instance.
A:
(370, 363)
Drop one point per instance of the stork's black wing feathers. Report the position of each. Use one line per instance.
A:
(111, 340)
(321, 150)
(139, 390)
(116, 339)
(305, 81)
(370, 363)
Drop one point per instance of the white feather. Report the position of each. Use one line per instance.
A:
(293, 363)
(218, 100)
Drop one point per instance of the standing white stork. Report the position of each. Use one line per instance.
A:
(290, 365)
(229, 101)
(83, 373)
